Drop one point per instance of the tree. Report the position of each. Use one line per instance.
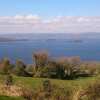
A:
(53, 70)
(40, 59)
(71, 66)
(56, 69)
(5, 66)
(20, 68)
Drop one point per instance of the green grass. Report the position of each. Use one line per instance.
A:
(37, 82)
(10, 98)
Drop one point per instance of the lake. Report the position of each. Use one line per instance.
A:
(87, 46)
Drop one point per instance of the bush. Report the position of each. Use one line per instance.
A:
(46, 85)
(59, 93)
(27, 93)
(51, 91)
(5, 66)
(59, 69)
(8, 80)
(70, 67)
(20, 69)
(30, 69)
(92, 92)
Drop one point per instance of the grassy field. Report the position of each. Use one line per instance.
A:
(37, 82)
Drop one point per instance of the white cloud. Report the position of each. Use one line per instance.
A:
(83, 19)
(59, 24)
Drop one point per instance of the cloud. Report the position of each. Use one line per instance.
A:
(58, 24)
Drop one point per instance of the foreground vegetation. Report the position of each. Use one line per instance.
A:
(49, 78)
(63, 89)
(10, 98)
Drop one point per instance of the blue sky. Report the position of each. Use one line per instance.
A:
(53, 16)
(47, 8)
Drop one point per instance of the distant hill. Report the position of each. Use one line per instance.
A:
(4, 39)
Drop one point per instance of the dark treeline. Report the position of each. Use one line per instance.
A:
(47, 67)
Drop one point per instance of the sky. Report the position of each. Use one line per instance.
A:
(49, 16)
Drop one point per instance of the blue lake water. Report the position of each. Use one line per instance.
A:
(87, 47)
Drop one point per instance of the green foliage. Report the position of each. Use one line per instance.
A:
(30, 69)
(51, 91)
(20, 68)
(55, 70)
(46, 85)
(67, 68)
(45, 67)
(71, 67)
(51, 70)
(60, 70)
(60, 93)
(5, 66)
(8, 80)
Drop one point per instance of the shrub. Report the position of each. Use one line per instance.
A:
(89, 69)
(59, 69)
(46, 85)
(51, 91)
(30, 69)
(92, 92)
(27, 93)
(61, 94)
(20, 69)
(8, 81)
(5, 66)
(71, 66)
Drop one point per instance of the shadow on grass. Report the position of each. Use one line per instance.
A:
(10, 98)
